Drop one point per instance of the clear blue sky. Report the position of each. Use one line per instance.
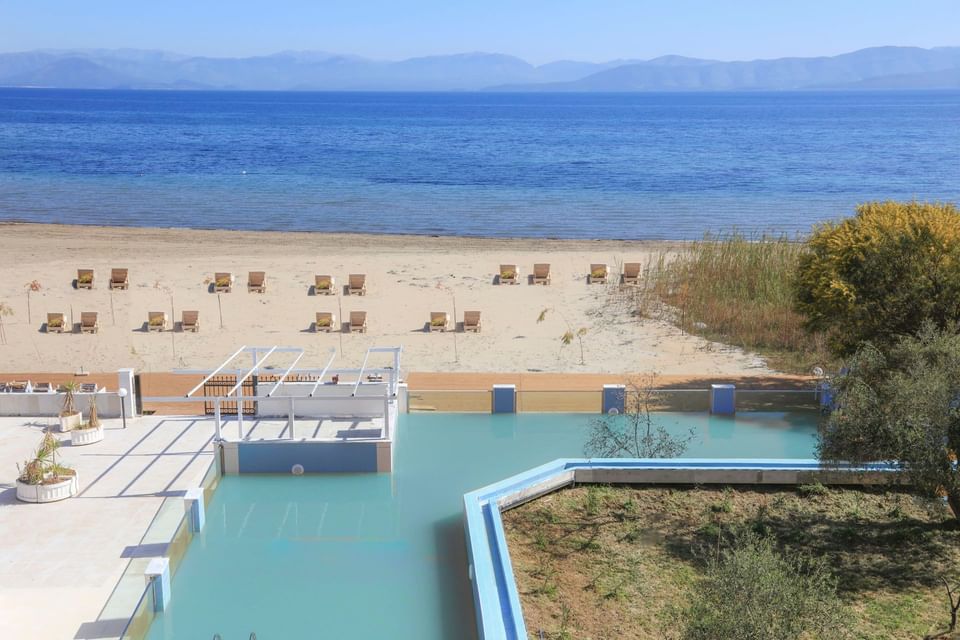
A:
(537, 30)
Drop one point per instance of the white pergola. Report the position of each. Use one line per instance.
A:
(385, 378)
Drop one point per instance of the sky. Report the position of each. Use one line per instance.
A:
(537, 30)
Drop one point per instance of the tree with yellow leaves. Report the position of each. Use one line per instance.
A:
(881, 274)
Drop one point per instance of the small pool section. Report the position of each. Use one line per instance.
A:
(383, 555)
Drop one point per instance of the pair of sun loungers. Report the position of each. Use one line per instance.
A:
(89, 323)
(118, 279)
(223, 282)
(325, 285)
(440, 321)
(327, 322)
(158, 321)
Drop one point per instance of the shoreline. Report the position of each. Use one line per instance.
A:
(551, 242)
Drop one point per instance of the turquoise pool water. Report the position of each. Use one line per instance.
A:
(383, 555)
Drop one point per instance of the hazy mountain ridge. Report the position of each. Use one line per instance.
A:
(875, 68)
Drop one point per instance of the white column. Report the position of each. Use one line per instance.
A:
(125, 381)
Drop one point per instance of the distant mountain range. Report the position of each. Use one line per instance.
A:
(869, 69)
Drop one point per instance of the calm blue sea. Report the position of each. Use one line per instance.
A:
(545, 165)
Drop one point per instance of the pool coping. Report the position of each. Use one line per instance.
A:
(499, 614)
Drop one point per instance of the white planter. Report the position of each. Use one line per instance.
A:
(71, 421)
(48, 492)
(81, 437)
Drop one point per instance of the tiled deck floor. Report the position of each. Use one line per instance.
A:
(59, 562)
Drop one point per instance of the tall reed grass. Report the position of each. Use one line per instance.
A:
(736, 290)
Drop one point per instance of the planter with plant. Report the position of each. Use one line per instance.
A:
(70, 417)
(43, 479)
(90, 431)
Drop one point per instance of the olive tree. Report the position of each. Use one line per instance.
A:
(753, 592)
(902, 405)
(881, 274)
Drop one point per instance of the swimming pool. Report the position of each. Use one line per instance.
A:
(383, 555)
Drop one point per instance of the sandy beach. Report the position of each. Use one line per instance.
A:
(407, 277)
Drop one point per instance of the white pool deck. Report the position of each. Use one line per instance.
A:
(59, 562)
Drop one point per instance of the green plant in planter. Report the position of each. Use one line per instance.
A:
(94, 421)
(44, 468)
(69, 407)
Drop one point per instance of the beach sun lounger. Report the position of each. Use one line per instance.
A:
(55, 323)
(357, 284)
(118, 279)
(84, 278)
(541, 273)
(598, 274)
(257, 282)
(508, 274)
(358, 321)
(42, 387)
(631, 272)
(471, 321)
(222, 282)
(439, 321)
(326, 321)
(190, 321)
(156, 321)
(89, 322)
(323, 285)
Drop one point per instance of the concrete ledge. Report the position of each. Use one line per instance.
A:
(496, 600)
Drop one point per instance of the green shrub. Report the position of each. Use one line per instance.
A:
(754, 593)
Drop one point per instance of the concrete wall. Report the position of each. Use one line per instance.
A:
(49, 404)
(315, 457)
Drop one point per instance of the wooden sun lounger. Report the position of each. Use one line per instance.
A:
(55, 323)
(631, 272)
(190, 321)
(471, 321)
(358, 321)
(541, 273)
(257, 282)
(357, 284)
(324, 285)
(222, 282)
(508, 274)
(89, 387)
(156, 321)
(89, 322)
(326, 321)
(42, 387)
(84, 278)
(598, 274)
(439, 321)
(118, 279)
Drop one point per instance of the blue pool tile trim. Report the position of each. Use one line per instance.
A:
(496, 599)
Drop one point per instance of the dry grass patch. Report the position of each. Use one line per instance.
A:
(610, 562)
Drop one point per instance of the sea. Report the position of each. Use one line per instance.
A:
(541, 165)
